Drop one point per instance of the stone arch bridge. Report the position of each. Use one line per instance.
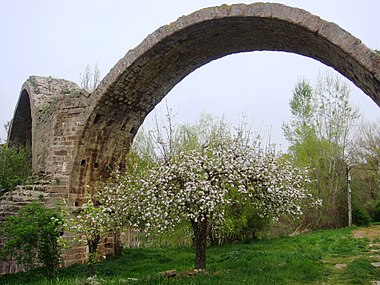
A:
(76, 136)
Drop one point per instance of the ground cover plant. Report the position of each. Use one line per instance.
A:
(305, 259)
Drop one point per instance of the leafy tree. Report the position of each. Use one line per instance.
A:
(33, 236)
(302, 109)
(115, 200)
(319, 133)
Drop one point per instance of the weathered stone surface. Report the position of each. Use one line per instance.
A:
(340, 266)
(168, 273)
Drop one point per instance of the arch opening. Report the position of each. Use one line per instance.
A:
(141, 79)
(20, 131)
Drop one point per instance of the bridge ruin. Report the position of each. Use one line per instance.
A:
(76, 137)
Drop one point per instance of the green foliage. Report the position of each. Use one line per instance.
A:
(15, 166)
(319, 133)
(243, 224)
(304, 259)
(33, 236)
(365, 169)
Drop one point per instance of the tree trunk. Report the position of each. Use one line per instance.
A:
(92, 248)
(90, 270)
(116, 240)
(200, 237)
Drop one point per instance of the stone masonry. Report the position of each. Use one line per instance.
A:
(76, 137)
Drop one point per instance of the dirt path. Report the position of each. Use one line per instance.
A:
(372, 233)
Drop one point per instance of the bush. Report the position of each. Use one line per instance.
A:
(243, 224)
(360, 216)
(376, 213)
(15, 166)
(32, 236)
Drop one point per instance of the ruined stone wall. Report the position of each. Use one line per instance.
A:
(56, 116)
(56, 109)
(52, 196)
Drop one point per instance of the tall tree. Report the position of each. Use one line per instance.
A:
(319, 133)
(365, 169)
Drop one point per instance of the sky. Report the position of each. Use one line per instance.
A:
(60, 38)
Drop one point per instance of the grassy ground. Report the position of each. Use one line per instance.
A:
(305, 259)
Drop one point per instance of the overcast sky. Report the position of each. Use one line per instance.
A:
(59, 38)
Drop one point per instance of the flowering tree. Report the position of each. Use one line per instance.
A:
(196, 185)
(112, 206)
(118, 199)
(90, 224)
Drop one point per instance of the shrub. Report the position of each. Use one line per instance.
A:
(360, 215)
(32, 236)
(376, 213)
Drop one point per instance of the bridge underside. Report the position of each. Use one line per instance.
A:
(141, 79)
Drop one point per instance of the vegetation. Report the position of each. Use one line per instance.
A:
(15, 166)
(89, 225)
(320, 135)
(32, 236)
(202, 179)
(305, 259)
(365, 172)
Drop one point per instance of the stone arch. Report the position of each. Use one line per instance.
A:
(142, 78)
(46, 118)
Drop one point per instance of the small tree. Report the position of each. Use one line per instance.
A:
(117, 197)
(91, 223)
(33, 236)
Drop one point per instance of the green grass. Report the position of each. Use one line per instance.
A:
(305, 259)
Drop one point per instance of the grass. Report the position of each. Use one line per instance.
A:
(305, 259)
